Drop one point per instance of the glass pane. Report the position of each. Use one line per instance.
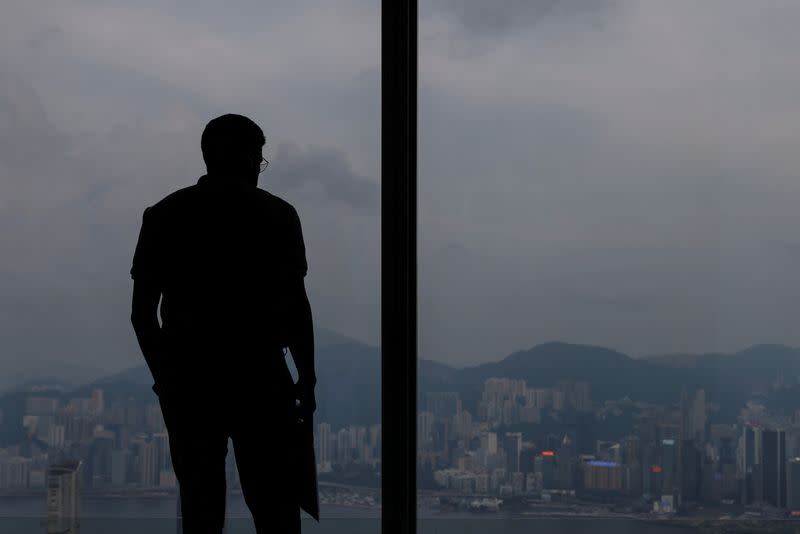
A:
(102, 107)
(608, 276)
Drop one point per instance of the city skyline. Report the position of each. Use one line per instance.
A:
(563, 448)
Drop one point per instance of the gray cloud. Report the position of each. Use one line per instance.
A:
(71, 204)
(478, 20)
(605, 171)
(325, 172)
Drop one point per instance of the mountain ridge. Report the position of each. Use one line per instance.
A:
(348, 371)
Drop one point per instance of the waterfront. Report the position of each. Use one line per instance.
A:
(100, 515)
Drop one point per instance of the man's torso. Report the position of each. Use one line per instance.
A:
(222, 253)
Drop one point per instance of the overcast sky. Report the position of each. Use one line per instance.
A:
(621, 173)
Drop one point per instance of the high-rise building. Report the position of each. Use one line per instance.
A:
(489, 442)
(649, 463)
(343, 447)
(632, 478)
(527, 457)
(63, 498)
(500, 389)
(15, 472)
(669, 431)
(462, 425)
(547, 467)
(727, 467)
(120, 465)
(690, 471)
(793, 484)
(163, 458)
(774, 466)
(698, 417)
(376, 439)
(513, 446)
(148, 472)
(100, 459)
(647, 429)
(553, 441)
(727, 451)
(359, 442)
(98, 403)
(444, 404)
(154, 418)
(668, 460)
(498, 476)
(585, 442)
(323, 452)
(581, 398)
(518, 483)
(752, 483)
(599, 475)
(631, 446)
(544, 397)
(566, 465)
(55, 437)
(559, 400)
(425, 422)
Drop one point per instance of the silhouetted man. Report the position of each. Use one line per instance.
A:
(227, 260)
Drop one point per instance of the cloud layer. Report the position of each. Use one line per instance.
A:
(612, 172)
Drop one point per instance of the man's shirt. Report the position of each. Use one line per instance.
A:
(221, 253)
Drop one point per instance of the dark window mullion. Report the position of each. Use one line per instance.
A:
(399, 265)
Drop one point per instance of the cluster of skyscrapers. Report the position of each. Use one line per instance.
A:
(666, 456)
(352, 444)
(121, 444)
(124, 444)
(544, 442)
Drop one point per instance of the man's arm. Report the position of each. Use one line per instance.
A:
(301, 326)
(146, 295)
(301, 342)
(144, 317)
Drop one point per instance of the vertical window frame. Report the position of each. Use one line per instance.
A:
(398, 266)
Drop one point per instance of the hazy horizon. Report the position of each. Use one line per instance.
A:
(326, 337)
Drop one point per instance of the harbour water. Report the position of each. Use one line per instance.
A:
(24, 515)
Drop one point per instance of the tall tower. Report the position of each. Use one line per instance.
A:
(97, 404)
(698, 417)
(147, 462)
(513, 446)
(793, 484)
(323, 451)
(774, 464)
(752, 486)
(63, 498)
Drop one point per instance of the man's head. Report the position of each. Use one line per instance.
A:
(231, 145)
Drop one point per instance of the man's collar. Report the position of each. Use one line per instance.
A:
(218, 181)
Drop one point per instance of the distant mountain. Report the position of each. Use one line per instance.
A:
(725, 377)
(728, 379)
(611, 374)
(348, 380)
(349, 376)
(59, 374)
(324, 337)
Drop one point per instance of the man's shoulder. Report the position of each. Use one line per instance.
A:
(174, 200)
(276, 203)
(183, 198)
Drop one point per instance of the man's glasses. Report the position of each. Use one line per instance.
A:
(264, 165)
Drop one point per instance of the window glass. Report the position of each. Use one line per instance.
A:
(102, 105)
(608, 272)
